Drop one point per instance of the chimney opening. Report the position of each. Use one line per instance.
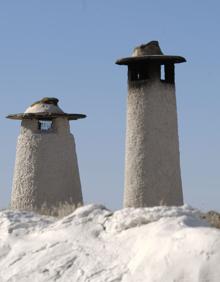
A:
(162, 73)
(167, 73)
(137, 72)
(45, 125)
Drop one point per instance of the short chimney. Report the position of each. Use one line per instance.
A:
(46, 169)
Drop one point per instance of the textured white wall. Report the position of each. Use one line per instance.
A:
(152, 164)
(46, 169)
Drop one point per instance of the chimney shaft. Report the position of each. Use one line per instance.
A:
(152, 163)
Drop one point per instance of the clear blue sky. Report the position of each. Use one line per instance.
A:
(67, 49)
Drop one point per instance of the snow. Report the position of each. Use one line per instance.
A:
(94, 244)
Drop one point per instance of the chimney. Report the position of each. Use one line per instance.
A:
(46, 169)
(152, 162)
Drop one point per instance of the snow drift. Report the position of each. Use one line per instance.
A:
(93, 244)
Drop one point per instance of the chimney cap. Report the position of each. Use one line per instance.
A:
(150, 52)
(46, 108)
(47, 100)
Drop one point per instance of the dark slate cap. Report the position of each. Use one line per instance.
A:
(150, 52)
(46, 108)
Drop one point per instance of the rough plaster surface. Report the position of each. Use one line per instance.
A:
(152, 164)
(46, 169)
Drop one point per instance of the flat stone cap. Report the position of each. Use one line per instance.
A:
(46, 108)
(150, 52)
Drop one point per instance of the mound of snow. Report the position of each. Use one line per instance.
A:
(161, 244)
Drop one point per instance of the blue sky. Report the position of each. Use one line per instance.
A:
(67, 49)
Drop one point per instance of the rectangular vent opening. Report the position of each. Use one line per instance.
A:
(45, 125)
(162, 72)
(167, 73)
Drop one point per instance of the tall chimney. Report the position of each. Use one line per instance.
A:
(152, 162)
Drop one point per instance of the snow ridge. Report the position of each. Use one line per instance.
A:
(159, 244)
